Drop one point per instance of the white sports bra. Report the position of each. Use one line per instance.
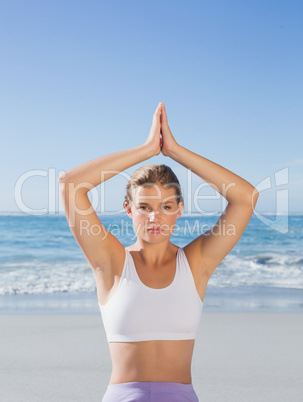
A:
(136, 312)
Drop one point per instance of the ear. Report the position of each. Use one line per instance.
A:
(128, 209)
(180, 209)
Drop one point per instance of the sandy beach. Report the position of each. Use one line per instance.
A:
(237, 357)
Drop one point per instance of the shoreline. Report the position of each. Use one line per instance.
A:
(246, 299)
(237, 357)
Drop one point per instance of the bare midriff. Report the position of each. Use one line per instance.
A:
(151, 361)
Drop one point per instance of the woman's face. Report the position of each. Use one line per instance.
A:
(154, 211)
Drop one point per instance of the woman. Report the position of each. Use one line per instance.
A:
(151, 293)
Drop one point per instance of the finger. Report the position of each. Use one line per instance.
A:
(164, 115)
(158, 108)
(157, 112)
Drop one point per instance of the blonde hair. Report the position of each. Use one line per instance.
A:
(152, 174)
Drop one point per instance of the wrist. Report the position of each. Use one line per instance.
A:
(174, 151)
(149, 150)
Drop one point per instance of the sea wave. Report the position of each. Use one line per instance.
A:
(40, 277)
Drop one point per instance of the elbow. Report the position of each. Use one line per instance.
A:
(254, 197)
(61, 178)
(65, 177)
(249, 197)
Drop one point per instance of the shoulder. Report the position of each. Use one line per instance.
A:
(107, 279)
(191, 252)
(193, 256)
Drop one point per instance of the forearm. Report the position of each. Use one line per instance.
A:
(96, 171)
(228, 184)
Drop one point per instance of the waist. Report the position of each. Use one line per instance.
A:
(162, 386)
(151, 361)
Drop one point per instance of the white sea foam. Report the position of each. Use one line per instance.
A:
(36, 277)
(268, 269)
(27, 278)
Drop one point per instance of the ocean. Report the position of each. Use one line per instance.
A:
(43, 270)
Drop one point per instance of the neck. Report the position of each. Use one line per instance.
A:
(154, 254)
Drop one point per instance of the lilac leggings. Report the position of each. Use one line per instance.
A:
(150, 392)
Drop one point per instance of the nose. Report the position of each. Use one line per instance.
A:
(152, 216)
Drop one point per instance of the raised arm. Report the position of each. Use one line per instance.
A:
(91, 174)
(211, 247)
(99, 245)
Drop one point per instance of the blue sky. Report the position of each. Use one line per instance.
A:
(81, 79)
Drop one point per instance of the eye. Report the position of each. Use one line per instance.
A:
(167, 207)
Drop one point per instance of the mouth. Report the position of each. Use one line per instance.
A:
(154, 230)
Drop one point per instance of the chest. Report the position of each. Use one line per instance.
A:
(164, 275)
(155, 278)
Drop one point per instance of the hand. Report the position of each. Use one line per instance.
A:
(169, 144)
(154, 141)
